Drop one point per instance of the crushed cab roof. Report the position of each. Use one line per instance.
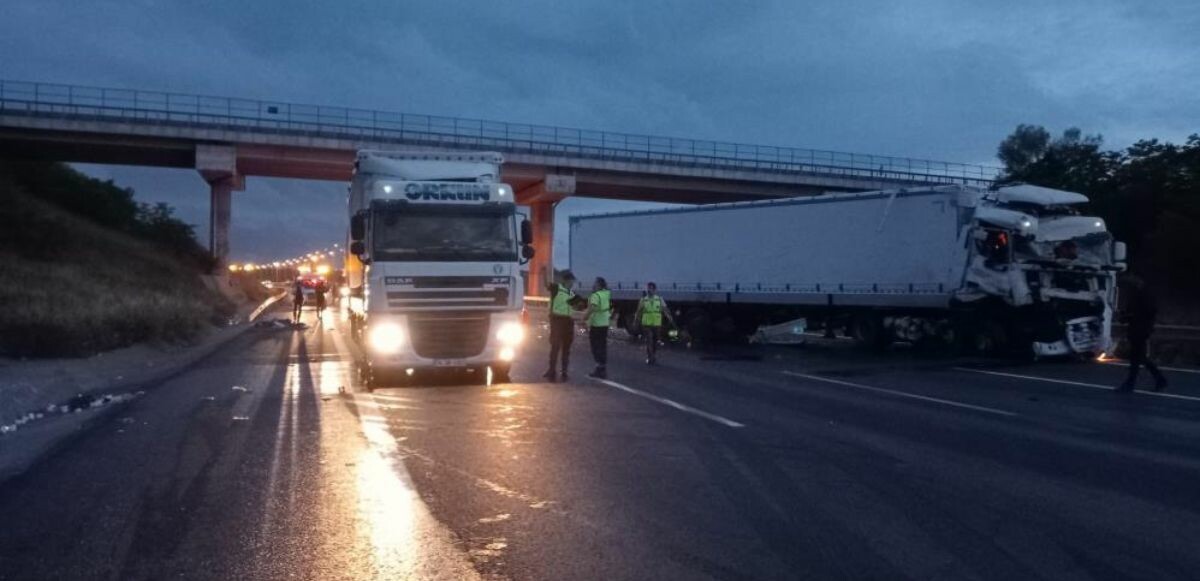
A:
(1028, 194)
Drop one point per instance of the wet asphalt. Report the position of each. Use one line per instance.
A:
(270, 460)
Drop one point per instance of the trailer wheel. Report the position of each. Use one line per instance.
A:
(868, 331)
(698, 325)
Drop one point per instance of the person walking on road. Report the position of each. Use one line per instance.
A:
(297, 301)
(651, 310)
(598, 315)
(1140, 312)
(319, 291)
(562, 328)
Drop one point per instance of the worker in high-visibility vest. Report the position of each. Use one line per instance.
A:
(562, 328)
(650, 312)
(598, 315)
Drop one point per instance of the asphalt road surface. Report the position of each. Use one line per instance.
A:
(269, 460)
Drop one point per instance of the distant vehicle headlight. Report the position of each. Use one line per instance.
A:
(510, 333)
(385, 338)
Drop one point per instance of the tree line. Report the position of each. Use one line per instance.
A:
(108, 205)
(1148, 193)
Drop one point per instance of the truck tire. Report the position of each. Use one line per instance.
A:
(990, 338)
(501, 373)
(868, 331)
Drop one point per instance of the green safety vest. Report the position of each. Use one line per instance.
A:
(652, 308)
(601, 302)
(560, 303)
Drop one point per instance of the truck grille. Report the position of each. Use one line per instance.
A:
(449, 336)
(426, 292)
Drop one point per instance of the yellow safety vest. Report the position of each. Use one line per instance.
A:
(601, 302)
(652, 311)
(560, 303)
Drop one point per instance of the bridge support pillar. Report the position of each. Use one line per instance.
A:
(218, 165)
(219, 216)
(541, 268)
(541, 199)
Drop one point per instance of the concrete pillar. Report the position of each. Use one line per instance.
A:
(220, 209)
(541, 268)
(217, 164)
(541, 199)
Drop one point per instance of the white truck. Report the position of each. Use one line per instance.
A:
(432, 263)
(1016, 269)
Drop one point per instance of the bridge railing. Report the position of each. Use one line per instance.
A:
(74, 101)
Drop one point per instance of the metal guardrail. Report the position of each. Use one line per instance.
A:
(180, 109)
(797, 288)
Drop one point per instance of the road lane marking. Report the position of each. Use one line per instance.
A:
(1179, 369)
(957, 404)
(1075, 383)
(672, 403)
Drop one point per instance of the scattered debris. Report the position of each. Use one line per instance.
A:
(241, 388)
(241, 418)
(209, 398)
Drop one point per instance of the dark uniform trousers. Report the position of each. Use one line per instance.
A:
(562, 333)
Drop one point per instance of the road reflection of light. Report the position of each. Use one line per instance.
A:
(507, 392)
(386, 505)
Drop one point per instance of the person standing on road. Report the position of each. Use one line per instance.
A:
(651, 310)
(598, 315)
(297, 301)
(319, 291)
(562, 328)
(1140, 312)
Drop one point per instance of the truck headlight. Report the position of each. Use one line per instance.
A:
(385, 338)
(511, 333)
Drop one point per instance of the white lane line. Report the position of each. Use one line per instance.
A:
(957, 404)
(1075, 383)
(667, 402)
(1178, 369)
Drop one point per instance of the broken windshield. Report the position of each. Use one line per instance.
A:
(453, 233)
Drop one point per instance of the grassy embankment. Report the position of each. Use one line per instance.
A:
(72, 285)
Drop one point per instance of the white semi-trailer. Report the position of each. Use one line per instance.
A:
(1016, 268)
(432, 263)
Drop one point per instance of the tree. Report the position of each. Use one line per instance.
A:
(1148, 194)
(1025, 147)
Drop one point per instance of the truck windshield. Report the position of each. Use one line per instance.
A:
(444, 233)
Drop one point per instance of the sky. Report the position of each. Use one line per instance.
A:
(937, 79)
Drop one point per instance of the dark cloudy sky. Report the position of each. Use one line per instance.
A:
(941, 79)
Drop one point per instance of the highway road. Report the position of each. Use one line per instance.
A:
(269, 460)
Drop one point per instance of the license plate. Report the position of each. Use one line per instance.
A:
(448, 362)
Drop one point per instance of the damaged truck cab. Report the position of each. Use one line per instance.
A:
(1045, 274)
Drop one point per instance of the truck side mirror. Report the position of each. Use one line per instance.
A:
(526, 233)
(357, 248)
(527, 252)
(358, 227)
(1119, 252)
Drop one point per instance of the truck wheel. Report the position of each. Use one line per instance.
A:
(868, 331)
(990, 338)
(501, 373)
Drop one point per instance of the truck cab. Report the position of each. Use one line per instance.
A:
(1035, 250)
(433, 264)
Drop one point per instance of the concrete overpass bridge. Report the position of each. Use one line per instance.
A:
(228, 139)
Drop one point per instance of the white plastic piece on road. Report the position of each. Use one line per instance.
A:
(1075, 383)
(671, 403)
(948, 402)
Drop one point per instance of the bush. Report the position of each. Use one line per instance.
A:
(73, 286)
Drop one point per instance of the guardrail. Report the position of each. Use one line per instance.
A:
(154, 107)
(797, 288)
